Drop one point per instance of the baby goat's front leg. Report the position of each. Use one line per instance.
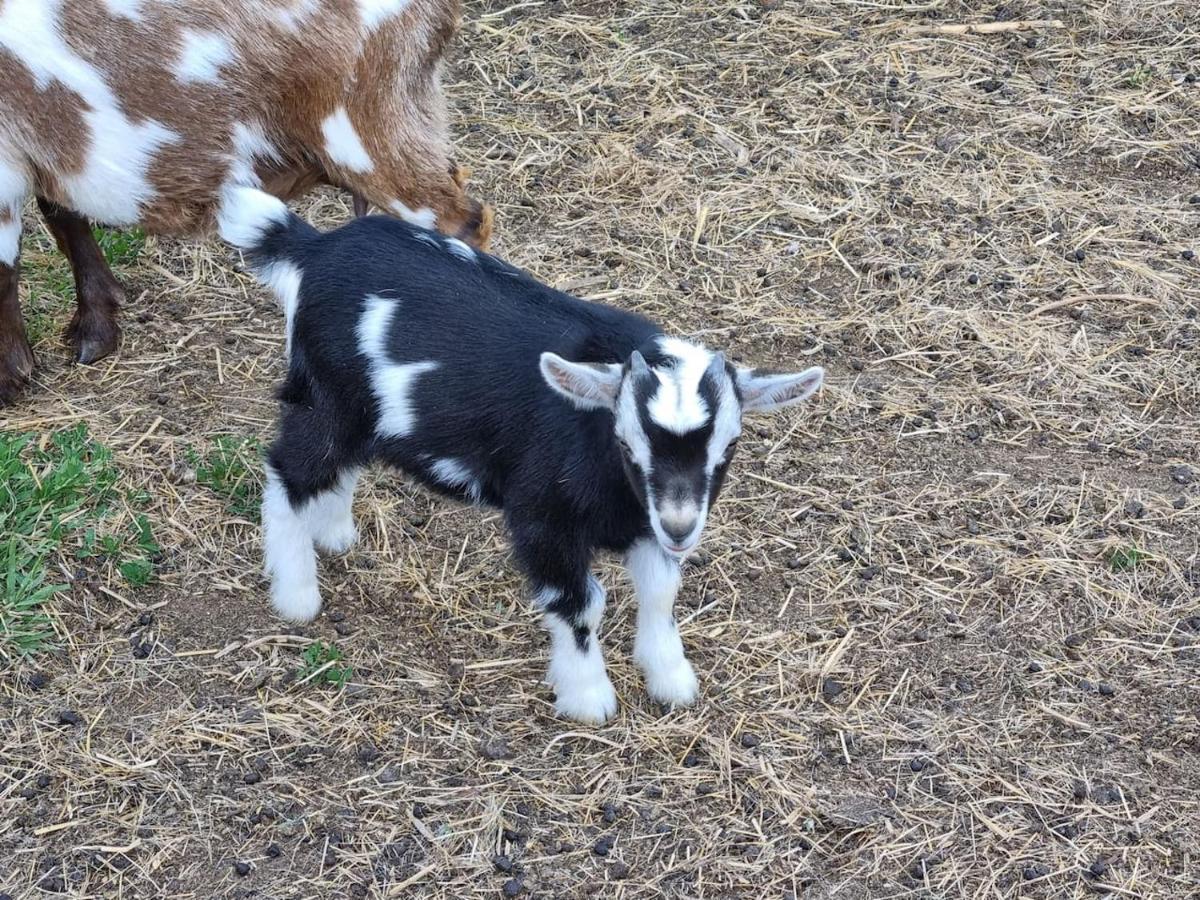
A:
(657, 648)
(572, 613)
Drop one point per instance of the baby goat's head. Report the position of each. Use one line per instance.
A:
(677, 414)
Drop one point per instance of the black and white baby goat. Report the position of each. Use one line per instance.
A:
(585, 424)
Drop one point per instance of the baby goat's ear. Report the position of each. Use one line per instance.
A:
(762, 392)
(587, 385)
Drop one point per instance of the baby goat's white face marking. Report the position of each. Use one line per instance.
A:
(677, 405)
(112, 186)
(342, 143)
(391, 382)
(677, 423)
(375, 12)
(204, 52)
(422, 218)
(453, 473)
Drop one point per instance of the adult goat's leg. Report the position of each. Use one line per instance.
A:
(93, 333)
(16, 357)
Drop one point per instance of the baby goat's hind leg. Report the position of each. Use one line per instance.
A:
(331, 517)
(306, 500)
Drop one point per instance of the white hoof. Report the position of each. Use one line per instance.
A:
(337, 539)
(296, 602)
(674, 685)
(594, 704)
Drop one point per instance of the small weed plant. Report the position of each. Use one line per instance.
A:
(230, 469)
(60, 505)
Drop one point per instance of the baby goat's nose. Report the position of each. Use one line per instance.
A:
(678, 526)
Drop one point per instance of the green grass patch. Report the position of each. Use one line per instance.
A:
(1126, 559)
(1138, 77)
(327, 660)
(231, 468)
(51, 295)
(120, 248)
(59, 499)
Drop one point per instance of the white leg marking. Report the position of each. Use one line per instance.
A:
(331, 517)
(391, 382)
(422, 218)
(112, 186)
(581, 686)
(657, 648)
(14, 188)
(342, 143)
(10, 236)
(290, 561)
(204, 52)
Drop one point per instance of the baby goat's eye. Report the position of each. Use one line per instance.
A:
(729, 448)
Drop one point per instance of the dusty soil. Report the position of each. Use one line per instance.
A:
(923, 673)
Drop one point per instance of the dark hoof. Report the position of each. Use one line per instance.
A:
(16, 366)
(93, 338)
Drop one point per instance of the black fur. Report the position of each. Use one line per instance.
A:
(556, 471)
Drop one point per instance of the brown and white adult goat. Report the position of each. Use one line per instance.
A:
(147, 112)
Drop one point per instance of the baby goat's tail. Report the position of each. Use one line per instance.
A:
(268, 233)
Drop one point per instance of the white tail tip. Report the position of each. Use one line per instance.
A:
(246, 214)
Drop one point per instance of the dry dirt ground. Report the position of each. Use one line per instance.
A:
(947, 621)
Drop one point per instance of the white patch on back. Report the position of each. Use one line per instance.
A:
(453, 473)
(677, 405)
(342, 143)
(125, 9)
(422, 218)
(461, 249)
(204, 52)
(426, 237)
(391, 382)
(300, 12)
(375, 12)
(112, 186)
(284, 278)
